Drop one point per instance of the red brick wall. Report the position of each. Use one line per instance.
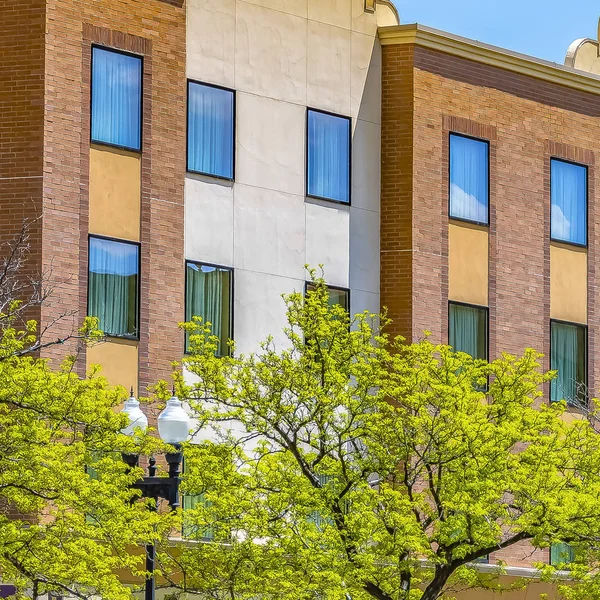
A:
(527, 121)
(155, 29)
(397, 188)
(22, 25)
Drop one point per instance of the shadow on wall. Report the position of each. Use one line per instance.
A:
(366, 164)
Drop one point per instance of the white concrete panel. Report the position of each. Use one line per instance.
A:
(292, 7)
(328, 240)
(364, 250)
(211, 41)
(269, 232)
(363, 22)
(270, 144)
(361, 301)
(259, 310)
(270, 53)
(366, 163)
(208, 221)
(328, 71)
(366, 78)
(333, 12)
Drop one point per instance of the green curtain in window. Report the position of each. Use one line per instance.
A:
(561, 554)
(190, 531)
(336, 296)
(468, 330)
(208, 295)
(568, 357)
(113, 284)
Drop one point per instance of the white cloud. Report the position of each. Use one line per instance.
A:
(466, 206)
(561, 226)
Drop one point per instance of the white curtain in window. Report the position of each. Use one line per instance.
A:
(469, 179)
(569, 202)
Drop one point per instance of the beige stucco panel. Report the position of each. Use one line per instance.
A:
(115, 193)
(468, 264)
(119, 361)
(568, 283)
(531, 592)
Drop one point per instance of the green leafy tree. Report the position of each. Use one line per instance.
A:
(350, 465)
(67, 520)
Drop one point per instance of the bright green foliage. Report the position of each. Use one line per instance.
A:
(62, 530)
(361, 467)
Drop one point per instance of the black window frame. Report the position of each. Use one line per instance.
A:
(310, 109)
(488, 144)
(187, 129)
(587, 203)
(338, 288)
(141, 58)
(135, 337)
(231, 297)
(487, 325)
(585, 329)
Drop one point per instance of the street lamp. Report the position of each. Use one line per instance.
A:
(173, 428)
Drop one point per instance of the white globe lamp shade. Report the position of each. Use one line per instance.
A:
(174, 423)
(137, 419)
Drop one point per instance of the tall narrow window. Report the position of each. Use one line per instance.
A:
(469, 179)
(468, 329)
(210, 130)
(568, 192)
(568, 356)
(208, 295)
(113, 286)
(116, 98)
(328, 164)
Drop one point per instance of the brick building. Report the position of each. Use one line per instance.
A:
(192, 157)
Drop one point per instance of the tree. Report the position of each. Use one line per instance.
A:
(367, 468)
(67, 520)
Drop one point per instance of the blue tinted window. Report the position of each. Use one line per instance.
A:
(210, 130)
(328, 156)
(469, 194)
(569, 202)
(116, 98)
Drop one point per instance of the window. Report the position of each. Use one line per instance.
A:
(113, 281)
(210, 130)
(116, 98)
(568, 356)
(561, 554)
(469, 179)
(208, 291)
(328, 160)
(337, 296)
(568, 194)
(468, 329)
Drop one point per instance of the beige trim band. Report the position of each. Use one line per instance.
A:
(489, 55)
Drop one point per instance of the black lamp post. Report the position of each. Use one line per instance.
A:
(173, 427)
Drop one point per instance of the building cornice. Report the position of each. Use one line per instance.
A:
(455, 45)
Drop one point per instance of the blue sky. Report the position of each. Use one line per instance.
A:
(540, 28)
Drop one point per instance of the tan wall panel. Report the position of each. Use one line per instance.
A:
(119, 360)
(531, 592)
(468, 263)
(115, 193)
(568, 283)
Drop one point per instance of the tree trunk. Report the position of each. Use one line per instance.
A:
(435, 588)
